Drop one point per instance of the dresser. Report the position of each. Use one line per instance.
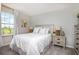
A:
(59, 37)
(59, 40)
(76, 41)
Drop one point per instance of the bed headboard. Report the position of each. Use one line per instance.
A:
(52, 27)
(47, 26)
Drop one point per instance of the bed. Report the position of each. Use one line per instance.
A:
(31, 43)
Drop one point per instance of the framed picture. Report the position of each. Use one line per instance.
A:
(24, 23)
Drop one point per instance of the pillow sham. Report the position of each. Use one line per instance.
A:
(47, 30)
(36, 30)
(44, 30)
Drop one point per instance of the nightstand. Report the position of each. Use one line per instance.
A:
(59, 40)
(30, 30)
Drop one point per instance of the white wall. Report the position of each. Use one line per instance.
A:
(0, 26)
(65, 18)
(19, 17)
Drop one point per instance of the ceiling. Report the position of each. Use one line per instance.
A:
(32, 9)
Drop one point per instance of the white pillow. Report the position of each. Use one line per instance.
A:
(42, 31)
(47, 30)
(36, 30)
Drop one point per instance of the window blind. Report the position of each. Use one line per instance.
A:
(7, 9)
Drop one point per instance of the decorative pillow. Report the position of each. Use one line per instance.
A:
(47, 30)
(36, 30)
(42, 31)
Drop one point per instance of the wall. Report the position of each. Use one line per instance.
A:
(0, 27)
(19, 17)
(65, 18)
(6, 40)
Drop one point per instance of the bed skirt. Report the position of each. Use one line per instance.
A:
(21, 52)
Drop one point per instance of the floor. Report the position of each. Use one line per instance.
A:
(53, 50)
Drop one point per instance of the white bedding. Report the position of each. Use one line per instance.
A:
(31, 43)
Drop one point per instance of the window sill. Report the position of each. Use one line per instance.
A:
(8, 35)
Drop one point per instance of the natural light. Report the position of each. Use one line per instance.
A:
(7, 23)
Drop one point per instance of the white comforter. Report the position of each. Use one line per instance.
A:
(32, 44)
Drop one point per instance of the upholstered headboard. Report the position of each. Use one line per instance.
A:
(50, 26)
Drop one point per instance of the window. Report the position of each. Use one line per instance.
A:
(7, 23)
